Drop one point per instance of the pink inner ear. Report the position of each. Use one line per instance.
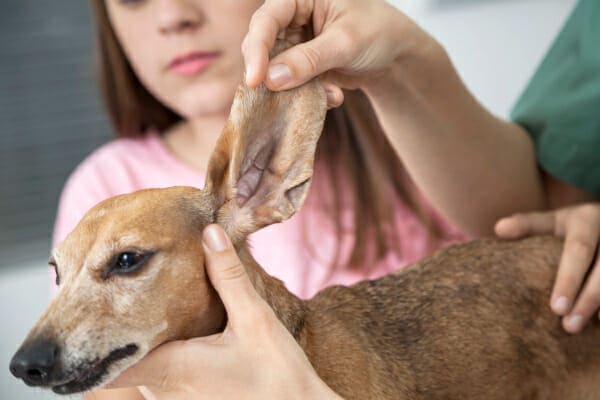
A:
(249, 180)
(247, 184)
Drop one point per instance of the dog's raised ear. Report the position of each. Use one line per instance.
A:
(261, 168)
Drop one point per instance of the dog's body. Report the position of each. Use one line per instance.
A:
(471, 322)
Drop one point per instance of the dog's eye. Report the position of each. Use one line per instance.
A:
(128, 261)
(53, 265)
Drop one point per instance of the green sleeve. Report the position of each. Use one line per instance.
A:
(560, 108)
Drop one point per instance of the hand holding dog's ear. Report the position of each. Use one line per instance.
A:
(576, 294)
(343, 47)
(263, 163)
(254, 358)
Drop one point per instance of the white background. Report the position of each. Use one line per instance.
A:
(495, 45)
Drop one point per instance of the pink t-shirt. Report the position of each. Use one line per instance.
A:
(298, 251)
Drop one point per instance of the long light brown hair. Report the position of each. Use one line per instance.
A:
(353, 150)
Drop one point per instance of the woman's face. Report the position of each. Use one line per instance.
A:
(186, 52)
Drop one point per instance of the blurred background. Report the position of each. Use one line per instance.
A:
(51, 117)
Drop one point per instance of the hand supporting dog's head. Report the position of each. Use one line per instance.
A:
(132, 271)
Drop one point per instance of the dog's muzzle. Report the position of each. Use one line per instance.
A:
(38, 363)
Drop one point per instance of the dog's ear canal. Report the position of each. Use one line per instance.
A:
(260, 170)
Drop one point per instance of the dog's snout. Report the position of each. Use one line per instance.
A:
(35, 362)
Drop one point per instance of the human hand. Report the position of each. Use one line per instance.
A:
(356, 42)
(254, 358)
(576, 293)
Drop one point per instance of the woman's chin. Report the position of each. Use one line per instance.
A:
(197, 104)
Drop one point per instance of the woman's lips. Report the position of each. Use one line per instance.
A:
(192, 63)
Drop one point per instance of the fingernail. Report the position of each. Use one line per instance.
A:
(575, 323)
(215, 238)
(561, 305)
(279, 74)
(331, 97)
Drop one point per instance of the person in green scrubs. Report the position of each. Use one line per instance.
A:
(560, 108)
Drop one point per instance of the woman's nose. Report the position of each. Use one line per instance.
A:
(176, 16)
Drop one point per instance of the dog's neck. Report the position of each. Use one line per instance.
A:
(290, 310)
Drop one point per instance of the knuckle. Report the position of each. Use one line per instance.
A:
(303, 12)
(268, 20)
(232, 269)
(568, 283)
(580, 248)
(577, 218)
(346, 37)
(588, 302)
(164, 381)
(589, 211)
(261, 21)
(264, 318)
(313, 59)
(169, 373)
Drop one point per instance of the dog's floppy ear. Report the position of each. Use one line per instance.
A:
(260, 170)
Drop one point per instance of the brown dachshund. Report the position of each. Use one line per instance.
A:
(470, 322)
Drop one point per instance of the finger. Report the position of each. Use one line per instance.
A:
(335, 95)
(271, 18)
(229, 277)
(519, 225)
(304, 61)
(587, 303)
(579, 249)
(157, 369)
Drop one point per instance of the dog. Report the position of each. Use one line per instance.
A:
(469, 322)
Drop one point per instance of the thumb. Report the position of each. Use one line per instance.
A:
(167, 366)
(304, 61)
(228, 276)
(157, 369)
(519, 225)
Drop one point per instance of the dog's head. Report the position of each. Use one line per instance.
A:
(131, 274)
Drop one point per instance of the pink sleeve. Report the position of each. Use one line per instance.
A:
(84, 189)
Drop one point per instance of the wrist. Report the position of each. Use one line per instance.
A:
(418, 61)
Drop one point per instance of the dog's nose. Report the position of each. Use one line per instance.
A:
(35, 362)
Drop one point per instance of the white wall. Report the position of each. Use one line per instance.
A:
(495, 44)
(24, 294)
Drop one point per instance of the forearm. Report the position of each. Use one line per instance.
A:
(473, 166)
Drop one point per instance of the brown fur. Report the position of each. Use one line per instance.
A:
(470, 322)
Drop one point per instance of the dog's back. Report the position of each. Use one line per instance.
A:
(470, 322)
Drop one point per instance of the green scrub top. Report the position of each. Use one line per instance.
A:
(560, 107)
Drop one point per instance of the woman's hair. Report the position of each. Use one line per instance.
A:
(131, 107)
(353, 150)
